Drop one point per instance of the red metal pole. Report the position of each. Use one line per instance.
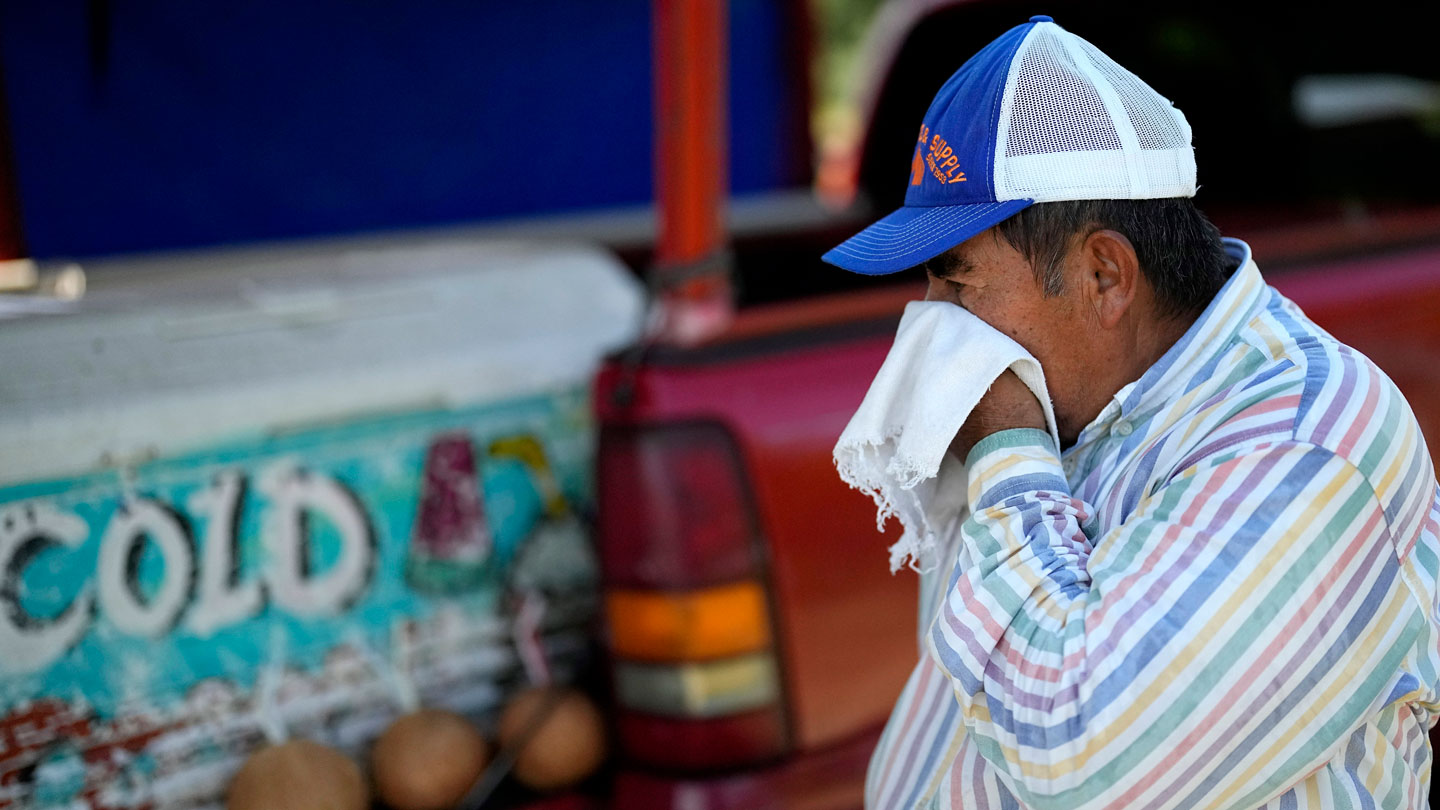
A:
(692, 271)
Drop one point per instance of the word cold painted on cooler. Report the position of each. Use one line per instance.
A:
(202, 587)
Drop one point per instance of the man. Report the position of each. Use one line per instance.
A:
(1221, 590)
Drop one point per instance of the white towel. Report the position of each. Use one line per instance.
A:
(943, 361)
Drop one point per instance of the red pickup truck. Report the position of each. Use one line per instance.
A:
(757, 638)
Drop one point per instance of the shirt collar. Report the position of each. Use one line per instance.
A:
(1231, 309)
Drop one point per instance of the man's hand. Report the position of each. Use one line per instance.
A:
(1007, 405)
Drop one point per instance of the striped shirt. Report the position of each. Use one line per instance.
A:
(1223, 595)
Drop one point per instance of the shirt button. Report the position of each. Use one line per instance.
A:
(1122, 428)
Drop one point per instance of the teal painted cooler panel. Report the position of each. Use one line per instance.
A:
(159, 621)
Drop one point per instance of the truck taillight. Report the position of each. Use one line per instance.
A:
(690, 628)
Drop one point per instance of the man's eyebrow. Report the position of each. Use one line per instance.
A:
(946, 265)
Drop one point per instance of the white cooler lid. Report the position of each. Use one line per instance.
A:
(171, 353)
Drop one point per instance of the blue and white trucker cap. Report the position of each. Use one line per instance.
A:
(1038, 115)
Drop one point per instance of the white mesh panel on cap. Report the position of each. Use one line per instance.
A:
(1054, 107)
(1074, 125)
(1157, 123)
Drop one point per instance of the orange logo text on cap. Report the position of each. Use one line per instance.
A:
(939, 157)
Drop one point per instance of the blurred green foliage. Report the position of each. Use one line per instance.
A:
(840, 29)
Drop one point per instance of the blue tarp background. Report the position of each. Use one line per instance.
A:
(165, 123)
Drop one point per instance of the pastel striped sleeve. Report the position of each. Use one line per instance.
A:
(1212, 651)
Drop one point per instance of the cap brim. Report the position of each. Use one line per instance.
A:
(910, 235)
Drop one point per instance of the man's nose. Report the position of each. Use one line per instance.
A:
(937, 290)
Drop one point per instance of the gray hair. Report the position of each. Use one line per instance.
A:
(1179, 250)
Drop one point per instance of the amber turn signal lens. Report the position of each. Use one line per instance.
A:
(689, 625)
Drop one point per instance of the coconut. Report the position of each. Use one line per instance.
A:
(567, 743)
(427, 760)
(298, 775)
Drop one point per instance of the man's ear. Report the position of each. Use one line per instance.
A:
(1111, 275)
